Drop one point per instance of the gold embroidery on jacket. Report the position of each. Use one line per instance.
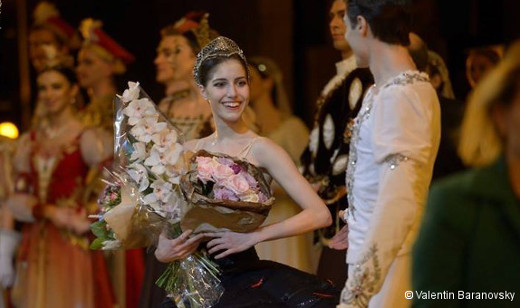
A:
(363, 281)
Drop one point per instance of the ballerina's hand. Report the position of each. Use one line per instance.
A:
(169, 250)
(229, 242)
(340, 240)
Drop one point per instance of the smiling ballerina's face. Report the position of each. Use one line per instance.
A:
(227, 90)
(55, 92)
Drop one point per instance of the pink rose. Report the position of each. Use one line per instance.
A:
(205, 169)
(222, 172)
(203, 160)
(237, 184)
(224, 194)
(225, 161)
(249, 178)
(236, 168)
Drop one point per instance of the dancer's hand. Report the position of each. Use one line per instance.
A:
(229, 242)
(340, 240)
(79, 222)
(59, 216)
(169, 250)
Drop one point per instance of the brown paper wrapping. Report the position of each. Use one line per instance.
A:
(134, 227)
(209, 215)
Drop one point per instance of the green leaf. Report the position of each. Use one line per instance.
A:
(97, 243)
(99, 229)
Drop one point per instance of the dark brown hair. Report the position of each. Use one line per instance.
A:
(389, 20)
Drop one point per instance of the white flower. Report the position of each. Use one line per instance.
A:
(176, 179)
(164, 139)
(173, 154)
(159, 161)
(156, 161)
(131, 93)
(173, 174)
(146, 128)
(139, 109)
(162, 190)
(111, 245)
(139, 174)
(139, 152)
(152, 201)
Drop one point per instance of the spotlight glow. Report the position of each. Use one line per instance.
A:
(9, 130)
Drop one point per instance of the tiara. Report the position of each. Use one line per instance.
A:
(219, 47)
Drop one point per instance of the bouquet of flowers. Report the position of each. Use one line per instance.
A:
(143, 197)
(225, 193)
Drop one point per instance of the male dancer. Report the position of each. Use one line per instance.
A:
(395, 138)
(325, 159)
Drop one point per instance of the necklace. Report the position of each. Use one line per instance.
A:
(53, 133)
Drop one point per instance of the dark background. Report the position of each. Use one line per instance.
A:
(292, 32)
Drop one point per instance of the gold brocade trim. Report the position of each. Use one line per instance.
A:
(41, 266)
(99, 112)
(72, 202)
(363, 281)
(45, 168)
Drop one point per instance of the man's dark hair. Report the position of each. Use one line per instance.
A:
(389, 20)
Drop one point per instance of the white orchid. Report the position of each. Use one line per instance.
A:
(156, 153)
(173, 174)
(146, 128)
(162, 189)
(111, 245)
(152, 201)
(173, 154)
(164, 139)
(174, 207)
(139, 152)
(131, 93)
(156, 162)
(139, 174)
(138, 110)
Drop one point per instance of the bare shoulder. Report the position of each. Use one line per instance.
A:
(264, 150)
(195, 144)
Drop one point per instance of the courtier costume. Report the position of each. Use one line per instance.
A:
(326, 157)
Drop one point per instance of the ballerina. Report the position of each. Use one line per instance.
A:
(223, 78)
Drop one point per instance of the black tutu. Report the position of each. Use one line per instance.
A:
(250, 282)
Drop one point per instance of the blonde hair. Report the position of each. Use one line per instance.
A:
(480, 143)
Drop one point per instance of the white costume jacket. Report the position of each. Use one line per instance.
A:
(394, 143)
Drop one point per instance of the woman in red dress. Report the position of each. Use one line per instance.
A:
(55, 266)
